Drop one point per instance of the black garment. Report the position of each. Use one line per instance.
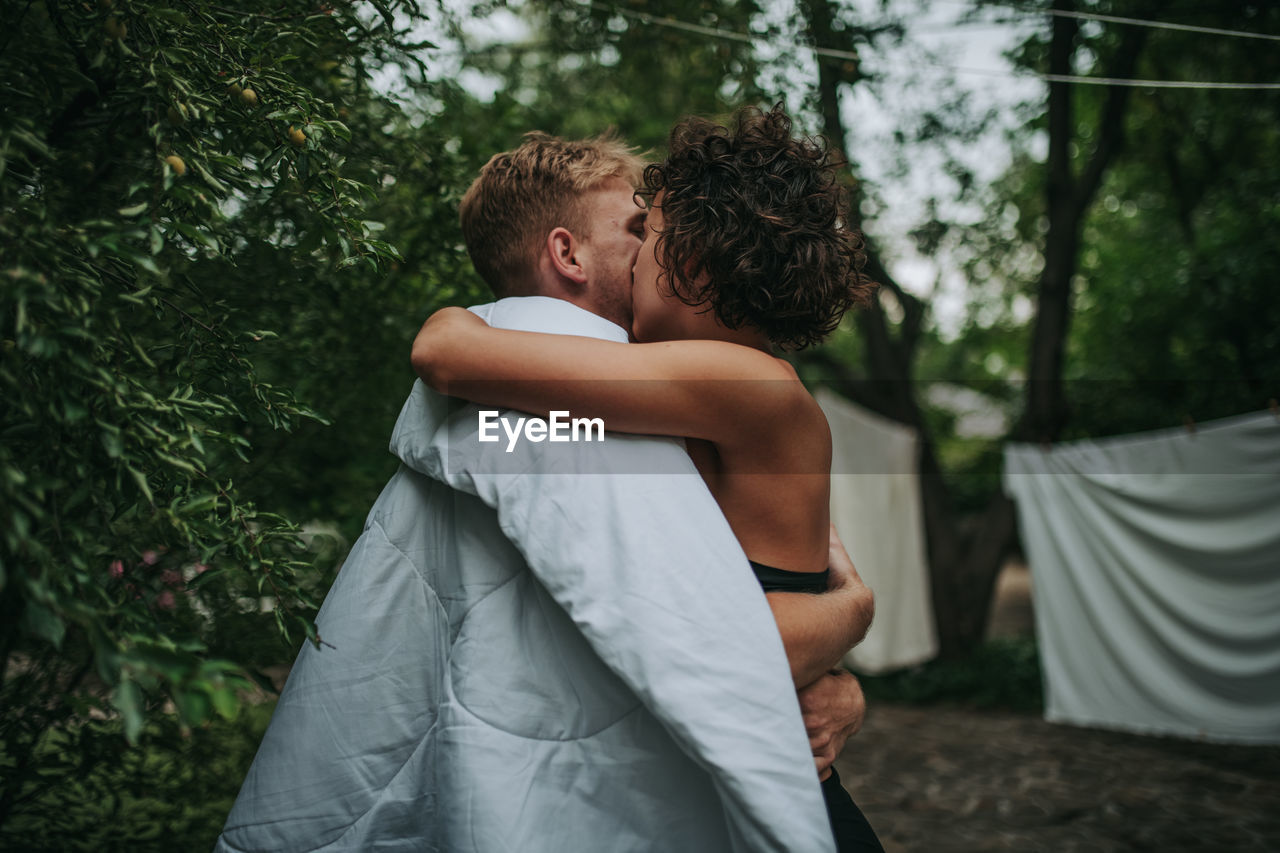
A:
(781, 580)
(852, 830)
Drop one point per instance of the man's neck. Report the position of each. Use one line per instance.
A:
(582, 299)
(594, 307)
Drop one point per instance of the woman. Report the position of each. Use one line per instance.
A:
(744, 250)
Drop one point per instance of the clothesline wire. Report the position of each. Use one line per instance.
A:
(751, 38)
(1136, 22)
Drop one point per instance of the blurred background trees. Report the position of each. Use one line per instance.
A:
(1126, 170)
(221, 224)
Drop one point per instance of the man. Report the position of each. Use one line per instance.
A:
(529, 656)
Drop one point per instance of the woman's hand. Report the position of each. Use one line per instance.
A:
(845, 578)
(444, 335)
(838, 561)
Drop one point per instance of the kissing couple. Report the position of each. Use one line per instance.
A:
(627, 644)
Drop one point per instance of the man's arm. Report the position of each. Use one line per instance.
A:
(817, 630)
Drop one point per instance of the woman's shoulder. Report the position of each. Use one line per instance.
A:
(775, 402)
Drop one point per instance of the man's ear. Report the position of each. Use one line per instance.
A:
(563, 249)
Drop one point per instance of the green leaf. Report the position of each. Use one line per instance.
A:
(172, 16)
(128, 700)
(43, 622)
(193, 703)
(133, 210)
(141, 482)
(112, 442)
(225, 701)
(204, 503)
(209, 178)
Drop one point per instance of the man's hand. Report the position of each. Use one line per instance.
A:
(833, 708)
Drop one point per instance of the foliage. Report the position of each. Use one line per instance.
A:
(1002, 674)
(344, 334)
(589, 67)
(1175, 319)
(1177, 312)
(171, 792)
(188, 221)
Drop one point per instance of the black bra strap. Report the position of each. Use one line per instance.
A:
(781, 580)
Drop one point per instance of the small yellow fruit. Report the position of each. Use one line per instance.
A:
(235, 89)
(296, 136)
(115, 28)
(175, 115)
(175, 163)
(249, 96)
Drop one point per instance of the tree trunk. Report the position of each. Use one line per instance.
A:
(962, 565)
(1067, 201)
(964, 560)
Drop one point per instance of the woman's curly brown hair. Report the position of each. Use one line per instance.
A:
(754, 227)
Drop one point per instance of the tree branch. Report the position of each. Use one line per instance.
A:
(1111, 126)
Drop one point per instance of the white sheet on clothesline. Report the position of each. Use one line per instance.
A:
(1156, 565)
(875, 504)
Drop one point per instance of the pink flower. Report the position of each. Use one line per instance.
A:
(165, 600)
(117, 569)
(201, 568)
(149, 557)
(171, 577)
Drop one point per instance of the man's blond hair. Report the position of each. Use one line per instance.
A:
(521, 195)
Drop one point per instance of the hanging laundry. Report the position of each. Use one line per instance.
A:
(875, 505)
(1156, 565)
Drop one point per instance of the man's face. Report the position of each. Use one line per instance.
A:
(616, 222)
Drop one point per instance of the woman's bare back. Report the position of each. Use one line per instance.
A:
(775, 493)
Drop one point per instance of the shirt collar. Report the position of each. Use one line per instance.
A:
(550, 315)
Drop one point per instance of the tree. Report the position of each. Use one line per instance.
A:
(588, 67)
(1172, 319)
(1086, 130)
(1137, 200)
(180, 184)
(1176, 318)
(1068, 197)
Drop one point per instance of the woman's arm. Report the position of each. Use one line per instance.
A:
(713, 390)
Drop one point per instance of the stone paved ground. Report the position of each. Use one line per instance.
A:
(944, 780)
